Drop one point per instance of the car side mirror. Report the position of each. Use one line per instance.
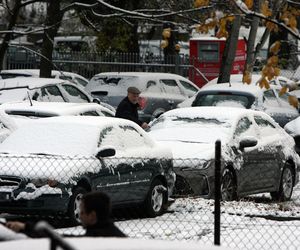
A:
(105, 152)
(247, 142)
(97, 100)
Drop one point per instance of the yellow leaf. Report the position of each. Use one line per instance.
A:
(263, 82)
(275, 47)
(293, 23)
(283, 90)
(177, 47)
(272, 26)
(264, 71)
(293, 101)
(249, 4)
(271, 73)
(200, 3)
(265, 9)
(247, 77)
(277, 71)
(273, 61)
(202, 28)
(166, 33)
(230, 18)
(222, 33)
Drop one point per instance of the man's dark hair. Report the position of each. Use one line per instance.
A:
(98, 202)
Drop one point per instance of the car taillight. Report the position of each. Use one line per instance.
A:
(142, 102)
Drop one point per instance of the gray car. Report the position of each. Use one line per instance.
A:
(258, 156)
(160, 92)
(249, 97)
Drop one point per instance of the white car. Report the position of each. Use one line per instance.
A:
(55, 160)
(257, 154)
(43, 90)
(160, 92)
(36, 109)
(70, 76)
(246, 96)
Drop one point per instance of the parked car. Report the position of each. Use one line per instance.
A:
(49, 109)
(43, 90)
(159, 91)
(249, 97)
(257, 154)
(278, 81)
(70, 76)
(69, 156)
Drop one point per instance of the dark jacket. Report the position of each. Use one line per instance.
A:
(101, 229)
(128, 110)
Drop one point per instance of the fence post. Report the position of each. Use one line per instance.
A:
(217, 229)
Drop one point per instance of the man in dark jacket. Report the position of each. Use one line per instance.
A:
(127, 108)
(95, 211)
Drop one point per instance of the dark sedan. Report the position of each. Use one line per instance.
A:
(47, 172)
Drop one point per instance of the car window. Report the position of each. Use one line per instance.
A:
(152, 87)
(75, 95)
(90, 113)
(122, 138)
(266, 128)
(171, 86)
(80, 81)
(49, 94)
(224, 99)
(244, 128)
(107, 114)
(188, 86)
(270, 98)
(208, 52)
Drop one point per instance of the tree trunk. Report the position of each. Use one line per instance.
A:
(229, 51)
(251, 39)
(12, 22)
(54, 17)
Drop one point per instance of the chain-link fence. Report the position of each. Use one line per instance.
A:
(149, 204)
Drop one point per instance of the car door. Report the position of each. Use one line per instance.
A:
(188, 88)
(172, 92)
(249, 161)
(271, 148)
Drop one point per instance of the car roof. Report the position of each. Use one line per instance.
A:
(237, 87)
(29, 82)
(53, 108)
(228, 113)
(235, 78)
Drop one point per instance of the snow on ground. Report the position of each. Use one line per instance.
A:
(252, 223)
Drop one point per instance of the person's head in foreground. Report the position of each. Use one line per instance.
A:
(133, 94)
(95, 207)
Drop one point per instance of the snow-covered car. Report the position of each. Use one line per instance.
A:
(249, 97)
(159, 91)
(257, 154)
(46, 165)
(293, 129)
(36, 109)
(64, 75)
(43, 90)
(278, 81)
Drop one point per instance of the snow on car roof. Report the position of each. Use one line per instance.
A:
(235, 78)
(65, 135)
(138, 74)
(53, 108)
(28, 82)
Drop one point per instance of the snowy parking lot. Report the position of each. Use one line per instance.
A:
(251, 223)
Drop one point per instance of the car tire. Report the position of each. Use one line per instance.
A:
(286, 185)
(156, 200)
(73, 209)
(228, 186)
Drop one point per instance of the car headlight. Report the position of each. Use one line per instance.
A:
(38, 182)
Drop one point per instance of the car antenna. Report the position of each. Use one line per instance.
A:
(31, 104)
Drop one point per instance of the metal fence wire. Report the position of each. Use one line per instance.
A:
(36, 187)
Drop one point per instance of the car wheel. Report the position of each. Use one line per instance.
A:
(286, 185)
(156, 200)
(228, 186)
(74, 203)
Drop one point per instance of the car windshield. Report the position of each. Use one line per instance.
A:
(191, 129)
(65, 139)
(224, 99)
(12, 95)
